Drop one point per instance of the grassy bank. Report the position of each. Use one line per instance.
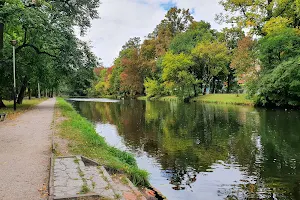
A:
(224, 99)
(165, 98)
(83, 140)
(27, 105)
(210, 98)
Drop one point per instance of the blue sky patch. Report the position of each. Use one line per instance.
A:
(192, 11)
(167, 6)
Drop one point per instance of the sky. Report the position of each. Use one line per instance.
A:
(122, 19)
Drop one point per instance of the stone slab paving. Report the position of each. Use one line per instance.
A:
(73, 178)
(129, 191)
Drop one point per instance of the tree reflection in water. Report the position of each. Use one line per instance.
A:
(192, 142)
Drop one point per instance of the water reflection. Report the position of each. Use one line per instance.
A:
(199, 151)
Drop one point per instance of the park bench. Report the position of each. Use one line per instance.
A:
(2, 117)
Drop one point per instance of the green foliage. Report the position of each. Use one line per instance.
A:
(281, 86)
(48, 51)
(255, 14)
(278, 46)
(186, 41)
(175, 73)
(276, 24)
(153, 87)
(214, 58)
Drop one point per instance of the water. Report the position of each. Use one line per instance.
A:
(206, 151)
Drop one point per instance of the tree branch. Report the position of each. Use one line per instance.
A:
(36, 50)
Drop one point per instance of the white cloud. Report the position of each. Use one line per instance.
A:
(123, 19)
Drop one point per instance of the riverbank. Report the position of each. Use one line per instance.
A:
(164, 98)
(83, 140)
(234, 99)
(21, 108)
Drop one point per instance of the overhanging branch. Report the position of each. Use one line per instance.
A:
(36, 50)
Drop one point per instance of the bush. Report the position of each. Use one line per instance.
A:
(153, 88)
(281, 86)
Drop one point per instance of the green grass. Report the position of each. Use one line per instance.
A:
(85, 141)
(27, 105)
(168, 98)
(235, 99)
(240, 99)
(84, 189)
(164, 98)
(142, 98)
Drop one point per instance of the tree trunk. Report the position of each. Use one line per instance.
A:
(228, 83)
(2, 105)
(29, 92)
(204, 91)
(52, 92)
(269, 11)
(201, 87)
(214, 85)
(1, 39)
(22, 91)
(1, 34)
(195, 91)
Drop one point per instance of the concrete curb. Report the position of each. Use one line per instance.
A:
(51, 181)
(84, 196)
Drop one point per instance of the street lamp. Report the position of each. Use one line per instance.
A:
(14, 44)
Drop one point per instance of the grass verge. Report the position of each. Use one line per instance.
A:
(234, 99)
(224, 99)
(85, 141)
(164, 98)
(25, 106)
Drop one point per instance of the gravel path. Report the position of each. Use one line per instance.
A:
(25, 152)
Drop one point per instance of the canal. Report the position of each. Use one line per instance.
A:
(205, 151)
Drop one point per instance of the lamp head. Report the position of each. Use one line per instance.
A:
(14, 42)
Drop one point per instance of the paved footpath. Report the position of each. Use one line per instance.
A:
(25, 152)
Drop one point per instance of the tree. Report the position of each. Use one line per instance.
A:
(131, 77)
(281, 86)
(176, 74)
(115, 80)
(231, 36)
(176, 21)
(186, 41)
(44, 29)
(153, 87)
(243, 60)
(278, 46)
(214, 57)
(148, 58)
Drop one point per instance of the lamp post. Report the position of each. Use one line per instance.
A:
(14, 44)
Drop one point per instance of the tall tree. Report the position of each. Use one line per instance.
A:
(214, 57)
(176, 76)
(231, 36)
(244, 60)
